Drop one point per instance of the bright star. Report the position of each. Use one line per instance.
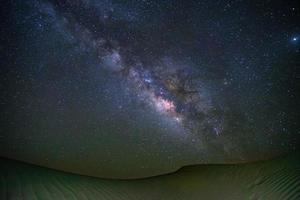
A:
(295, 39)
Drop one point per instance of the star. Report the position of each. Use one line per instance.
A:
(295, 39)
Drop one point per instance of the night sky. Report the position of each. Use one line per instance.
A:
(116, 88)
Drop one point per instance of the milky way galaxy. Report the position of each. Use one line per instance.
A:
(138, 88)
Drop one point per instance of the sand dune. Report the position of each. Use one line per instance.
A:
(274, 179)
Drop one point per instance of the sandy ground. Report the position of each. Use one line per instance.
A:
(273, 179)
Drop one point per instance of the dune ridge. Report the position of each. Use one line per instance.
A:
(274, 179)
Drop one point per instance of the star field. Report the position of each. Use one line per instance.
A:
(134, 88)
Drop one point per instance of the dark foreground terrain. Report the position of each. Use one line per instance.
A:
(274, 179)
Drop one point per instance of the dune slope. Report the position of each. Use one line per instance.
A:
(274, 179)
